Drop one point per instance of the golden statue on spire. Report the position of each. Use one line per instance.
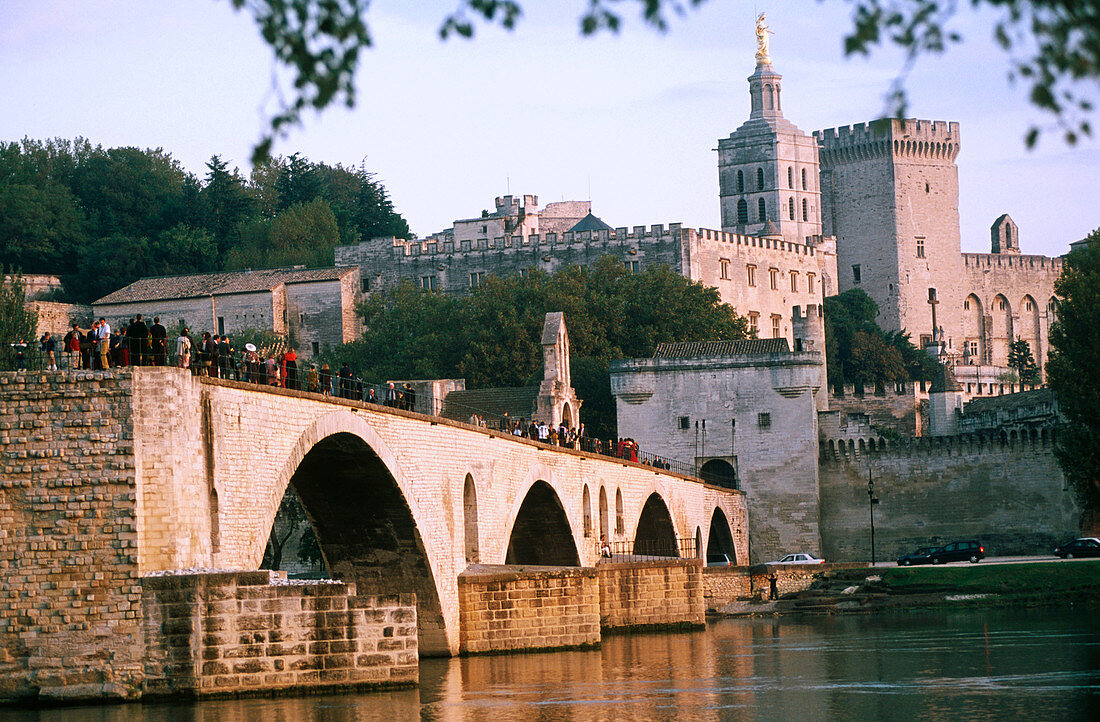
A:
(762, 33)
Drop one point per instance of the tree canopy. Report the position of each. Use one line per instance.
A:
(492, 336)
(101, 218)
(17, 321)
(859, 352)
(1071, 370)
(1054, 45)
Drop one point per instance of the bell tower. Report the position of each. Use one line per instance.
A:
(768, 168)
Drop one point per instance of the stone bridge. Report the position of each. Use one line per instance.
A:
(400, 501)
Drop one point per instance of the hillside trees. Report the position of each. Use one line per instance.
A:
(1071, 370)
(101, 218)
(17, 322)
(491, 337)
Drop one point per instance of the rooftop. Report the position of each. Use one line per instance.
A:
(739, 347)
(197, 285)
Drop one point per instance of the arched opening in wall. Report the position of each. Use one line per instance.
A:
(1029, 327)
(699, 543)
(742, 212)
(620, 527)
(720, 473)
(469, 518)
(720, 539)
(769, 103)
(215, 523)
(790, 177)
(740, 181)
(365, 529)
(759, 179)
(1002, 329)
(655, 535)
(586, 501)
(541, 532)
(567, 415)
(604, 531)
(762, 210)
(974, 351)
(790, 208)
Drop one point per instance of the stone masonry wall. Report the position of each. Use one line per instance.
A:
(651, 594)
(70, 595)
(529, 609)
(245, 632)
(1010, 496)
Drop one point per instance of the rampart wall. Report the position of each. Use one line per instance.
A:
(1005, 490)
(651, 595)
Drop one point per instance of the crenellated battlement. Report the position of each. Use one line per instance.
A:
(1014, 260)
(908, 138)
(658, 233)
(853, 450)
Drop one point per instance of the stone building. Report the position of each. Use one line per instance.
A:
(313, 307)
(745, 414)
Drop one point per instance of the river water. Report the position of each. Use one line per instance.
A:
(1027, 664)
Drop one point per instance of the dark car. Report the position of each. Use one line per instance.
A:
(1088, 546)
(920, 556)
(960, 551)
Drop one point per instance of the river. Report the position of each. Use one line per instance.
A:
(1029, 664)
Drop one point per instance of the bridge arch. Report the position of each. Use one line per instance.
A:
(720, 539)
(470, 521)
(541, 533)
(605, 533)
(368, 526)
(655, 533)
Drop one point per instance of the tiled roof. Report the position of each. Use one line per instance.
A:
(492, 404)
(740, 347)
(591, 223)
(219, 284)
(1006, 402)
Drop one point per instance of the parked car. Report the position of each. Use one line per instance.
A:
(1086, 546)
(719, 560)
(920, 556)
(800, 558)
(959, 551)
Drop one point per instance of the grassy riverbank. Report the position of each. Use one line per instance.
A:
(1034, 577)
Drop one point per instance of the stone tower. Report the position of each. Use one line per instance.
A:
(890, 195)
(768, 168)
(1004, 235)
(557, 402)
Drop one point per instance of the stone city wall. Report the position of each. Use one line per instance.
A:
(651, 594)
(1009, 494)
(228, 633)
(545, 609)
(58, 318)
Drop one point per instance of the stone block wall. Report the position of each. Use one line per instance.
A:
(543, 609)
(70, 594)
(236, 632)
(721, 585)
(1008, 494)
(651, 594)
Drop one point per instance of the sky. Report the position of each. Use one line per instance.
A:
(629, 121)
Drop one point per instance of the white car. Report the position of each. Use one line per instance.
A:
(799, 559)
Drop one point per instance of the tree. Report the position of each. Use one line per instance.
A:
(1021, 360)
(224, 203)
(858, 351)
(1055, 45)
(1071, 370)
(291, 519)
(17, 321)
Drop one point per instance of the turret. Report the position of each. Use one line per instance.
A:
(808, 330)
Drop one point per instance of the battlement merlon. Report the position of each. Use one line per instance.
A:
(908, 137)
(1015, 260)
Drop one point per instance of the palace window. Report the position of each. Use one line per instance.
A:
(803, 179)
(1001, 304)
(315, 346)
(776, 331)
(754, 321)
(428, 283)
(790, 208)
(773, 278)
(972, 349)
(475, 279)
(966, 305)
(794, 281)
(759, 179)
(810, 282)
(524, 272)
(925, 340)
(790, 177)
(365, 285)
(857, 276)
(762, 210)
(740, 181)
(751, 274)
(1028, 305)
(742, 212)
(920, 247)
(805, 210)
(724, 269)
(684, 423)
(631, 266)
(764, 420)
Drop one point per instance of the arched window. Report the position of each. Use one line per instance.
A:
(790, 177)
(790, 208)
(805, 210)
(803, 179)
(762, 210)
(742, 212)
(587, 511)
(759, 179)
(740, 181)
(620, 527)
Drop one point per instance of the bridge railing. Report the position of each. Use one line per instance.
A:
(649, 550)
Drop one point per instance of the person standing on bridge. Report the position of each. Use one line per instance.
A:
(183, 349)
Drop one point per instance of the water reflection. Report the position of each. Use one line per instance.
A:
(930, 666)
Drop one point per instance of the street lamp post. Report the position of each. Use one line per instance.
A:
(871, 501)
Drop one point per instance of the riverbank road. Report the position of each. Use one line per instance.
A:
(995, 560)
